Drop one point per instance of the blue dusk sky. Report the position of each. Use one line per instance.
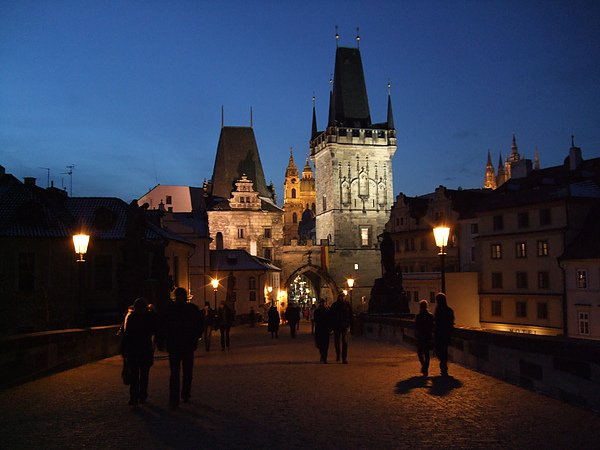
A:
(130, 92)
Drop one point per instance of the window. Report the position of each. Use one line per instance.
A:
(522, 280)
(365, 233)
(242, 199)
(543, 280)
(219, 240)
(252, 283)
(496, 280)
(268, 253)
(521, 309)
(498, 223)
(26, 271)
(293, 193)
(496, 251)
(542, 248)
(542, 310)
(581, 278)
(584, 323)
(545, 217)
(240, 233)
(252, 296)
(169, 200)
(523, 219)
(267, 233)
(474, 228)
(496, 308)
(324, 203)
(521, 250)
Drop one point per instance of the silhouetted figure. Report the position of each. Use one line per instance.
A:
(322, 325)
(224, 320)
(311, 317)
(341, 317)
(424, 335)
(138, 349)
(273, 322)
(252, 317)
(292, 315)
(386, 247)
(444, 325)
(207, 322)
(182, 327)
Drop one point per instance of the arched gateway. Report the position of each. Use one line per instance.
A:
(308, 282)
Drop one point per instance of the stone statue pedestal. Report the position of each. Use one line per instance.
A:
(388, 296)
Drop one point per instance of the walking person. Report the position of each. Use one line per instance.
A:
(292, 315)
(138, 349)
(207, 322)
(224, 321)
(311, 317)
(322, 324)
(273, 321)
(424, 335)
(182, 328)
(341, 317)
(443, 327)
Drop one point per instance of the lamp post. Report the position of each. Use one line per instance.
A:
(215, 285)
(350, 282)
(441, 240)
(80, 243)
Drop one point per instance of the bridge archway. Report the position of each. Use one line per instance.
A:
(308, 284)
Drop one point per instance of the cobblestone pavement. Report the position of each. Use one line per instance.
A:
(267, 393)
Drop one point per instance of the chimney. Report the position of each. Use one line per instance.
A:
(30, 181)
(521, 168)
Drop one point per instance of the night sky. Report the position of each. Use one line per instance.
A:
(130, 92)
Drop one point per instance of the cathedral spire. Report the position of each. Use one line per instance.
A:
(490, 177)
(390, 114)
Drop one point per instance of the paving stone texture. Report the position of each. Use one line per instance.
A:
(274, 394)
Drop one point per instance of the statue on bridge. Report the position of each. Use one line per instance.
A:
(387, 294)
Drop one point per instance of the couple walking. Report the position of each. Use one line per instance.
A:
(337, 319)
(179, 327)
(434, 331)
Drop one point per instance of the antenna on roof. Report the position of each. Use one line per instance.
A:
(70, 173)
(222, 116)
(251, 121)
(47, 169)
(337, 36)
(357, 38)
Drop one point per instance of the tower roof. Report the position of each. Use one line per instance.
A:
(349, 104)
(237, 155)
(292, 170)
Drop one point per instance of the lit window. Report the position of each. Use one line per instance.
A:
(496, 251)
(542, 248)
(521, 250)
(581, 278)
(364, 236)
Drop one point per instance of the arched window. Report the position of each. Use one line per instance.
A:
(293, 193)
(219, 240)
(295, 218)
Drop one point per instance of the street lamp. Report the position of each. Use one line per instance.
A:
(269, 290)
(350, 282)
(441, 240)
(215, 285)
(80, 242)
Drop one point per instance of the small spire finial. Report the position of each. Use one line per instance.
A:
(572, 140)
(357, 38)
(314, 99)
(389, 86)
(337, 37)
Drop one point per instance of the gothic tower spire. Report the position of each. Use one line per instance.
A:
(490, 176)
(314, 131)
(390, 114)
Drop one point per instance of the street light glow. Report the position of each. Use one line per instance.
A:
(80, 242)
(441, 235)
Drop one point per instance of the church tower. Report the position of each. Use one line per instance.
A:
(353, 174)
(292, 204)
(490, 176)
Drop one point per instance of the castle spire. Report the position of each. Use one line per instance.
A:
(390, 114)
(490, 177)
(314, 131)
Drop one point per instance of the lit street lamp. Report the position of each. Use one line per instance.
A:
(441, 235)
(269, 289)
(80, 242)
(350, 282)
(215, 285)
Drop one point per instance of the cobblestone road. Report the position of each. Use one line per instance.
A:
(267, 393)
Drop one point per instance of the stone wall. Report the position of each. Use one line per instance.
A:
(26, 357)
(563, 368)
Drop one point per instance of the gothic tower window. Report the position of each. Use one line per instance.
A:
(293, 193)
(219, 241)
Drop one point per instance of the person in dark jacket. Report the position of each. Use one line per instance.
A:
(183, 327)
(292, 315)
(138, 349)
(322, 329)
(273, 321)
(424, 335)
(207, 322)
(224, 320)
(341, 317)
(444, 325)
